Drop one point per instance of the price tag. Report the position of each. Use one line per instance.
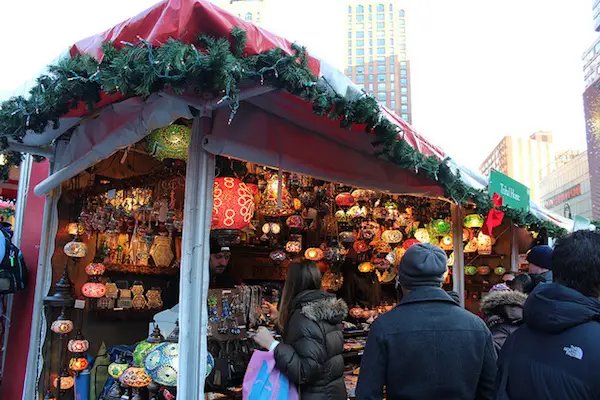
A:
(80, 304)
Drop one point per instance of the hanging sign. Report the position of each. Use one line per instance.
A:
(515, 194)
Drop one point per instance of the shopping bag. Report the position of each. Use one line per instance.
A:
(263, 381)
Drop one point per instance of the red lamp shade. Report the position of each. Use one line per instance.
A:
(93, 290)
(78, 364)
(66, 382)
(94, 269)
(78, 345)
(410, 243)
(233, 204)
(344, 200)
(295, 222)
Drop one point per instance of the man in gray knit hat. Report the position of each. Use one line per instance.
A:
(428, 347)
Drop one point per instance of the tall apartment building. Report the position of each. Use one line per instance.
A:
(527, 160)
(596, 11)
(249, 10)
(377, 52)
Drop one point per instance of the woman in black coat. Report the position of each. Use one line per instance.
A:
(503, 314)
(310, 322)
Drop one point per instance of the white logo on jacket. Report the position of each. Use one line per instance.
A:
(574, 351)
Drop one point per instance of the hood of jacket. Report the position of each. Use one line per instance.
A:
(503, 307)
(554, 308)
(317, 305)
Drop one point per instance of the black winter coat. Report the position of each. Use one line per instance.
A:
(556, 353)
(311, 355)
(428, 347)
(503, 312)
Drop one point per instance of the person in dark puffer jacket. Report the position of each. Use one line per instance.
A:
(310, 321)
(555, 355)
(503, 312)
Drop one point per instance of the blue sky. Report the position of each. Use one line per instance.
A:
(480, 69)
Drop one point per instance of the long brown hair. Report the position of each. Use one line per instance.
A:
(302, 275)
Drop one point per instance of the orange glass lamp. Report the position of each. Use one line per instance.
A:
(314, 254)
(233, 208)
(366, 267)
(293, 246)
(95, 269)
(484, 244)
(66, 381)
(75, 228)
(62, 325)
(78, 364)
(272, 205)
(135, 377)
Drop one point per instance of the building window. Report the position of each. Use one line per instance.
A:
(349, 35)
(370, 68)
(349, 52)
(380, 17)
(381, 78)
(393, 95)
(402, 56)
(403, 81)
(360, 86)
(360, 9)
(380, 25)
(393, 105)
(380, 50)
(391, 7)
(381, 86)
(391, 16)
(361, 52)
(382, 96)
(402, 64)
(402, 38)
(401, 30)
(360, 60)
(401, 13)
(360, 17)
(349, 9)
(392, 77)
(360, 78)
(360, 43)
(349, 43)
(391, 50)
(380, 33)
(248, 17)
(404, 108)
(392, 68)
(381, 68)
(370, 51)
(360, 69)
(370, 78)
(370, 87)
(391, 40)
(380, 8)
(403, 72)
(405, 117)
(370, 8)
(370, 26)
(350, 69)
(381, 59)
(404, 99)
(370, 42)
(370, 34)
(360, 26)
(402, 22)
(391, 59)
(403, 90)
(349, 60)
(360, 34)
(380, 42)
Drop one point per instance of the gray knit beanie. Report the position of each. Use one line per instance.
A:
(422, 265)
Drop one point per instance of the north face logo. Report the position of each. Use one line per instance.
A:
(574, 351)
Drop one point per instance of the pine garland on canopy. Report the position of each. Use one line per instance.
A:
(217, 65)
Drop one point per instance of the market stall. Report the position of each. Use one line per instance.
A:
(137, 189)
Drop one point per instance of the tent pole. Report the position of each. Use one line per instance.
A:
(194, 282)
(458, 269)
(514, 248)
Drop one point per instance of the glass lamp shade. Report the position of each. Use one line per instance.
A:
(347, 237)
(357, 211)
(360, 246)
(171, 141)
(293, 247)
(75, 228)
(446, 243)
(78, 345)
(450, 260)
(135, 377)
(141, 351)
(269, 206)
(78, 364)
(363, 195)
(344, 200)
(66, 382)
(233, 204)
(422, 235)
(93, 290)
(410, 243)
(467, 234)
(473, 221)
(297, 204)
(162, 364)
(271, 227)
(366, 267)
(76, 249)
(295, 222)
(470, 270)
(95, 269)
(471, 246)
(484, 244)
(116, 369)
(483, 270)
(441, 227)
(500, 270)
(277, 256)
(392, 236)
(314, 254)
(62, 326)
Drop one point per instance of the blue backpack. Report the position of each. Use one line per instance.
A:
(13, 271)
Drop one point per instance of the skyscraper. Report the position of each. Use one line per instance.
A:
(527, 160)
(377, 52)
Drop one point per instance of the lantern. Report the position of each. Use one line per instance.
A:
(366, 267)
(410, 243)
(450, 260)
(362, 195)
(334, 253)
(66, 381)
(467, 234)
(314, 254)
(357, 212)
(347, 237)
(78, 364)
(471, 246)
(76, 249)
(422, 235)
(144, 347)
(162, 364)
(360, 246)
(233, 204)
(75, 228)
(269, 206)
(135, 377)
(341, 216)
(500, 270)
(78, 345)
(393, 236)
(297, 204)
(484, 244)
(446, 242)
(473, 221)
(344, 200)
(93, 290)
(171, 141)
(295, 222)
(277, 256)
(441, 227)
(62, 325)
(272, 228)
(293, 246)
(380, 247)
(116, 369)
(470, 270)
(95, 269)
(483, 270)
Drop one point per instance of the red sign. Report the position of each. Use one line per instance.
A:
(564, 196)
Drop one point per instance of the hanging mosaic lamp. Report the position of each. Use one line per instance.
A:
(171, 141)
(473, 221)
(270, 205)
(162, 364)
(271, 228)
(95, 269)
(484, 244)
(422, 235)
(440, 227)
(93, 290)
(62, 325)
(467, 234)
(470, 270)
(363, 195)
(78, 364)
(360, 246)
(500, 270)
(277, 256)
(332, 281)
(66, 381)
(365, 267)
(144, 347)
(446, 243)
(450, 260)
(293, 247)
(135, 377)
(471, 246)
(344, 200)
(116, 369)
(76, 249)
(233, 204)
(78, 345)
(295, 222)
(409, 243)
(392, 236)
(314, 254)
(75, 228)
(484, 270)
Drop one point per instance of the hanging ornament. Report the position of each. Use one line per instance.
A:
(483, 270)
(171, 141)
(76, 249)
(347, 237)
(271, 228)
(409, 243)
(363, 195)
(344, 200)
(357, 212)
(470, 270)
(233, 209)
(494, 217)
(471, 246)
(422, 235)
(446, 243)
(93, 290)
(332, 281)
(66, 381)
(441, 227)
(78, 345)
(484, 244)
(360, 246)
(293, 246)
(314, 254)
(78, 364)
(365, 267)
(277, 256)
(473, 221)
(62, 325)
(380, 247)
(392, 236)
(273, 205)
(95, 269)
(295, 222)
(500, 270)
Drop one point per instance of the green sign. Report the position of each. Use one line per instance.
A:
(515, 194)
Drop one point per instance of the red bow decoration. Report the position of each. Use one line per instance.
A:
(494, 217)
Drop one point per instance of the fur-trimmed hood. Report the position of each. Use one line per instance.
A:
(502, 298)
(321, 306)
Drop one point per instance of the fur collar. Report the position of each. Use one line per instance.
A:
(330, 309)
(502, 298)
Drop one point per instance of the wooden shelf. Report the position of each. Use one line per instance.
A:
(141, 270)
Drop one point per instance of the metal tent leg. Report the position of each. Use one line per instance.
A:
(458, 270)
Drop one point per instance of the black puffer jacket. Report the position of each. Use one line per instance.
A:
(311, 355)
(503, 312)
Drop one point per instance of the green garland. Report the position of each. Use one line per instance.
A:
(219, 66)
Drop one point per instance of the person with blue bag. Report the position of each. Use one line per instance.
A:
(310, 356)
